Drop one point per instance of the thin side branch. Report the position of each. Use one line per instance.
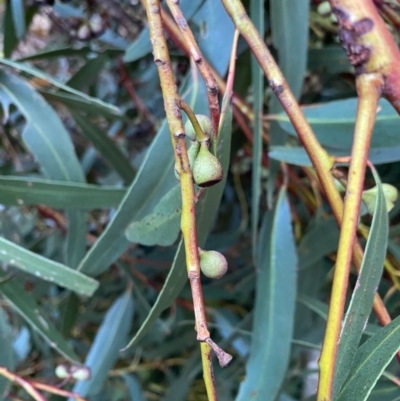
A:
(28, 387)
(204, 68)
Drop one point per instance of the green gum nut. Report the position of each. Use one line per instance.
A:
(205, 124)
(207, 169)
(213, 264)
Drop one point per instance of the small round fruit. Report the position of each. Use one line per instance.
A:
(84, 32)
(205, 124)
(213, 264)
(62, 371)
(80, 372)
(207, 169)
(96, 25)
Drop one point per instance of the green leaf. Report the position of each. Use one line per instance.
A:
(175, 281)
(139, 48)
(44, 133)
(321, 309)
(299, 157)
(217, 24)
(321, 240)
(6, 352)
(179, 388)
(48, 140)
(330, 59)
(370, 362)
(109, 339)
(87, 75)
(274, 306)
(57, 194)
(46, 269)
(58, 52)
(75, 244)
(290, 29)
(206, 212)
(364, 292)
(134, 388)
(113, 110)
(106, 146)
(80, 103)
(153, 180)
(385, 391)
(285, 397)
(333, 124)
(27, 307)
(257, 83)
(10, 36)
(162, 225)
(18, 14)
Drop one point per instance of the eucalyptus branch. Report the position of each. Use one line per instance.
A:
(204, 68)
(369, 91)
(172, 102)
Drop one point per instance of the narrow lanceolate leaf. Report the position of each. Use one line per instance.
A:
(318, 242)
(46, 269)
(106, 146)
(139, 48)
(18, 13)
(154, 179)
(370, 362)
(50, 143)
(134, 387)
(160, 227)
(257, 80)
(206, 212)
(274, 306)
(27, 307)
(39, 74)
(87, 75)
(44, 132)
(79, 103)
(364, 292)
(321, 309)
(10, 36)
(6, 352)
(299, 157)
(332, 121)
(109, 339)
(290, 29)
(58, 194)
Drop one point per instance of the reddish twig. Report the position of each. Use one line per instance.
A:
(141, 107)
(201, 62)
